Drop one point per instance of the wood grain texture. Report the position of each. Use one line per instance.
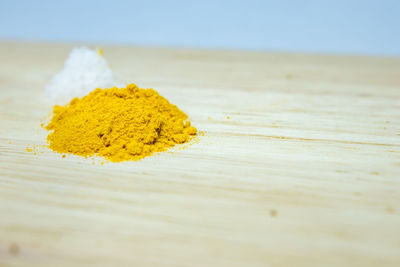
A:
(299, 166)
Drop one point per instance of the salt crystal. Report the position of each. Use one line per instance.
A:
(84, 70)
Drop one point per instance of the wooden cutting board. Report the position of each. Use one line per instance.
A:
(299, 165)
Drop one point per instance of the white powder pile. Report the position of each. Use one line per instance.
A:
(84, 70)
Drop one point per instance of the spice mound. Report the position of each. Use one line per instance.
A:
(118, 124)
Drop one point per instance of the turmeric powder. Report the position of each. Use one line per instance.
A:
(118, 124)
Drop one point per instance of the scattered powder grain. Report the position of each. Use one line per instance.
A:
(118, 124)
(35, 149)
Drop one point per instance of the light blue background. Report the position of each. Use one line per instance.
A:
(355, 27)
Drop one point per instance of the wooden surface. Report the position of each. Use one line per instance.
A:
(299, 166)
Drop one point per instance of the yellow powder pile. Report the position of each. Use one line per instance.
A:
(118, 124)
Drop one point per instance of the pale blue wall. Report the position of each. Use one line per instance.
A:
(361, 27)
